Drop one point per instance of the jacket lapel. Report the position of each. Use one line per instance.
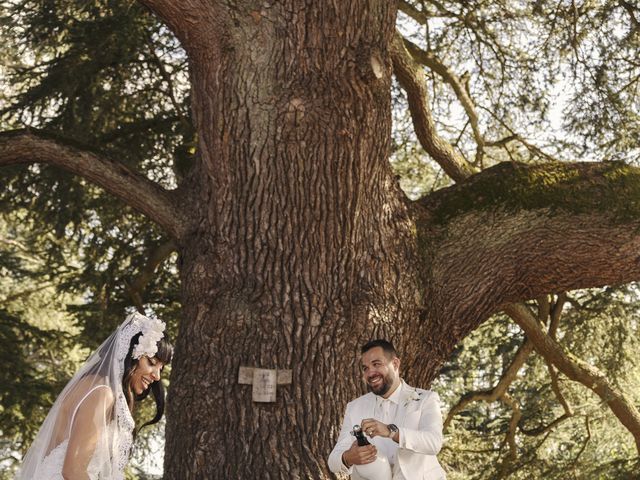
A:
(407, 403)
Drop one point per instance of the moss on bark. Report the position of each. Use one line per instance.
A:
(608, 187)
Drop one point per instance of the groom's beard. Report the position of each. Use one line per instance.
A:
(383, 388)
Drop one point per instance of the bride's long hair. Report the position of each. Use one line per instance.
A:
(164, 354)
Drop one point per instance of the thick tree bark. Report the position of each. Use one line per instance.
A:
(303, 243)
(303, 247)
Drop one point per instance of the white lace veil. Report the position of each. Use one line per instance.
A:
(90, 424)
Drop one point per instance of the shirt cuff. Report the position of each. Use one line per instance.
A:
(401, 442)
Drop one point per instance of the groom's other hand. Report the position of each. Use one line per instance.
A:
(359, 455)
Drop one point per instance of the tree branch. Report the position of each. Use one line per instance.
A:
(545, 429)
(586, 441)
(136, 287)
(514, 137)
(28, 292)
(515, 232)
(499, 391)
(551, 315)
(513, 427)
(431, 61)
(632, 11)
(147, 197)
(555, 386)
(503, 141)
(14, 243)
(556, 313)
(197, 23)
(411, 78)
(554, 320)
(577, 370)
(409, 10)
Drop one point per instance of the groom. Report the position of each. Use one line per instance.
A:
(402, 422)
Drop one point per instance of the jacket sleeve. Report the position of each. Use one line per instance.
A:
(427, 439)
(345, 440)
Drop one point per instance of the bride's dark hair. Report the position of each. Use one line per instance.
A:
(164, 354)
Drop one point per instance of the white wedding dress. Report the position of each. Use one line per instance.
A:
(51, 466)
(88, 431)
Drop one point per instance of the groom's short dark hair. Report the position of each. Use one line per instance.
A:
(386, 346)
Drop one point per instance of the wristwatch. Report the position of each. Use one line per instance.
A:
(392, 430)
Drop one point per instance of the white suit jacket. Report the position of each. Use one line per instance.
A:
(420, 423)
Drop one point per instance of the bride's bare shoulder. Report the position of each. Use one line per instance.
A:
(93, 389)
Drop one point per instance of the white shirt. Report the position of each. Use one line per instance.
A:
(385, 411)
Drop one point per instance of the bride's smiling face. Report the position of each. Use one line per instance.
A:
(147, 371)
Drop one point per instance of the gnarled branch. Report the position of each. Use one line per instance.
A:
(431, 61)
(411, 78)
(577, 370)
(500, 389)
(137, 191)
(515, 232)
(192, 21)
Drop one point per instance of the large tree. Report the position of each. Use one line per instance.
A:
(295, 243)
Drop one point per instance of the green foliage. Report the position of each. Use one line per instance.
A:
(548, 80)
(43, 342)
(106, 75)
(30, 377)
(562, 76)
(600, 327)
(39, 352)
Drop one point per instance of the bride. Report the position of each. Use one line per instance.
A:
(88, 433)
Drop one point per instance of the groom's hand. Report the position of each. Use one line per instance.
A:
(374, 428)
(359, 455)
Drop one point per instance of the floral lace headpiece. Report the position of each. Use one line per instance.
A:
(152, 332)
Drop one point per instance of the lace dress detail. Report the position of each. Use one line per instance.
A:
(126, 425)
(51, 466)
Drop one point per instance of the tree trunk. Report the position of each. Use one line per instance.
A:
(302, 242)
